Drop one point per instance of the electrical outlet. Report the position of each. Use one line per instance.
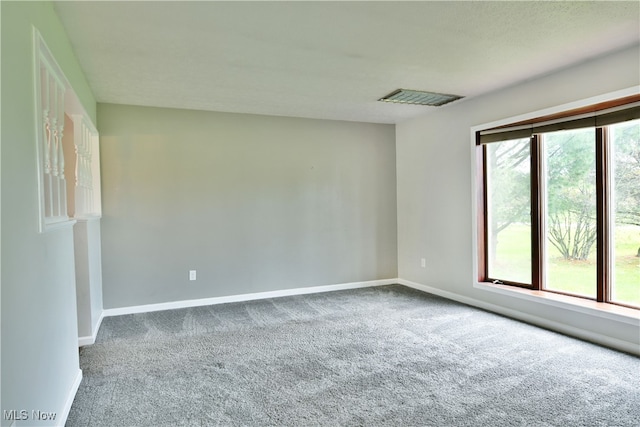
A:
(423, 262)
(192, 275)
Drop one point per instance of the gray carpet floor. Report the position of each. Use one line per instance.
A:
(384, 356)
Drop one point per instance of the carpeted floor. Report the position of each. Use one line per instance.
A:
(387, 356)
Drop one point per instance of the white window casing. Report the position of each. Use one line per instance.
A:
(87, 168)
(54, 98)
(50, 91)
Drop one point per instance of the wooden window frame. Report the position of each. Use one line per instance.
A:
(603, 179)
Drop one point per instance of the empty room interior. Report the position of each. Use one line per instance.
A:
(320, 213)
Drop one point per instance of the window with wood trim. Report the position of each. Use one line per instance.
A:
(559, 203)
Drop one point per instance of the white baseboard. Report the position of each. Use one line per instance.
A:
(243, 297)
(626, 346)
(82, 341)
(62, 419)
(594, 337)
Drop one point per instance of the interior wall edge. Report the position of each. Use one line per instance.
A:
(61, 421)
(91, 339)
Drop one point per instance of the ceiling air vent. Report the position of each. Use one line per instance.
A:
(418, 97)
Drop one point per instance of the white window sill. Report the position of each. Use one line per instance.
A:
(581, 305)
(58, 225)
(87, 217)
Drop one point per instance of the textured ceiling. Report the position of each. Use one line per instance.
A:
(330, 60)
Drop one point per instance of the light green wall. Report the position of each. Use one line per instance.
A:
(253, 203)
(39, 335)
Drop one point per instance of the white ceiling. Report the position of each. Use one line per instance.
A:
(330, 60)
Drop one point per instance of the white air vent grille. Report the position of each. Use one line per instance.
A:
(418, 97)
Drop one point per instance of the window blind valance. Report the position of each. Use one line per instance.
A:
(598, 117)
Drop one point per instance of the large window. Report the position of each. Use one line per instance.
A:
(560, 199)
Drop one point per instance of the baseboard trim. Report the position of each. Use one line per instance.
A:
(64, 414)
(243, 297)
(626, 346)
(590, 336)
(82, 341)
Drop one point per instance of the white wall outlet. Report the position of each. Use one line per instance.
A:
(423, 262)
(192, 275)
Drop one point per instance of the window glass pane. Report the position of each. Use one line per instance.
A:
(625, 141)
(508, 213)
(570, 223)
